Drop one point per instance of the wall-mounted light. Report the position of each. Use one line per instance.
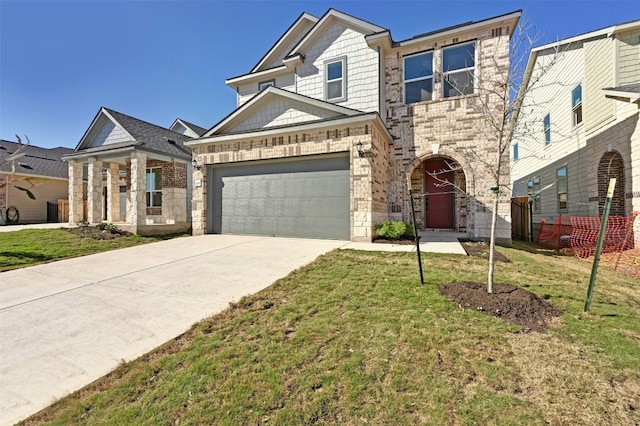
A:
(361, 152)
(195, 164)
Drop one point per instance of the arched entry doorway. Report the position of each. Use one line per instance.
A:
(442, 204)
(611, 165)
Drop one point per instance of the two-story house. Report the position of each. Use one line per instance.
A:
(336, 118)
(582, 114)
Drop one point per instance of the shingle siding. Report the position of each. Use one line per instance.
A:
(361, 68)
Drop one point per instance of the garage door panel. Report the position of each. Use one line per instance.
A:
(303, 198)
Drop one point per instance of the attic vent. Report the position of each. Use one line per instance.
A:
(171, 141)
(2, 147)
(496, 32)
(26, 166)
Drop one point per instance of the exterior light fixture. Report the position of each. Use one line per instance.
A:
(195, 164)
(361, 152)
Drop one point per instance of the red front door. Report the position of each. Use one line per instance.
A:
(439, 198)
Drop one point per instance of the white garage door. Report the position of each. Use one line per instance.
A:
(307, 198)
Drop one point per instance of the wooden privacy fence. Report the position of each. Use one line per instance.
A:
(63, 210)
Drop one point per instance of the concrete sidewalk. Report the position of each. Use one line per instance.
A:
(67, 323)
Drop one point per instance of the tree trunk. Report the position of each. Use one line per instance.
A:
(492, 243)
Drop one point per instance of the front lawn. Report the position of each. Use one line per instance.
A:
(353, 338)
(30, 247)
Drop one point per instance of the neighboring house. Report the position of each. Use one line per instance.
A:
(583, 116)
(39, 171)
(138, 174)
(333, 118)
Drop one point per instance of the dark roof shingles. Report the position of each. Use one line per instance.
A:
(38, 161)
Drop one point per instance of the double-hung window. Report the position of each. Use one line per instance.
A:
(546, 123)
(533, 188)
(154, 187)
(576, 104)
(458, 67)
(335, 72)
(561, 184)
(418, 77)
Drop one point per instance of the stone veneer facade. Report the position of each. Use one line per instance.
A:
(368, 174)
(452, 128)
(398, 141)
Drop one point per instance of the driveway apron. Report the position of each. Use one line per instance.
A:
(67, 323)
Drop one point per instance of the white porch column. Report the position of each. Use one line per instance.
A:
(113, 193)
(137, 202)
(94, 191)
(76, 192)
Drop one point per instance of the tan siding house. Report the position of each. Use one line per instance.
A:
(592, 95)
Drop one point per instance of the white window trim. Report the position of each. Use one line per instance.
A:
(545, 129)
(411, 80)
(343, 79)
(458, 71)
(149, 169)
(574, 108)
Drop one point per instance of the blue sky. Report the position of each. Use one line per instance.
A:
(157, 60)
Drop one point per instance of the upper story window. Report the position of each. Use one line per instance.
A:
(418, 77)
(264, 84)
(515, 152)
(154, 187)
(576, 104)
(335, 80)
(561, 184)
(458, 67)
(547, 129)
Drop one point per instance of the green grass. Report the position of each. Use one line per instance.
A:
(353, 338)
(33, 246)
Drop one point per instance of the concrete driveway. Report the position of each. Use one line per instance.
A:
(67, 323)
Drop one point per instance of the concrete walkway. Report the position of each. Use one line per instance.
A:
(67, 323)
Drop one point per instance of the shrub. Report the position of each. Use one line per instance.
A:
(394, 230)
(109, 227)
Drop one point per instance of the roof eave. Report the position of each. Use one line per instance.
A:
(295, 128)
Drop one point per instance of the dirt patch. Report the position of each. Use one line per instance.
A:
(382, 240)
(513, 304)
(99, 233)
(480, 249)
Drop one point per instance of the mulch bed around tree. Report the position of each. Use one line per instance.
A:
(511, 303)
(98, 233)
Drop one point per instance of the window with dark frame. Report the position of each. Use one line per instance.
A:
(515, 152)
(335, 80)
(154, 187)
(264, 84)
(547, 129)
(576, 104)
(418, 77)
(561, 185)
(458, 68)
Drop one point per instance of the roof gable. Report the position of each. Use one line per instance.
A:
(185, 128)
(329, 19)
(285, 43)
(275, 107)
(113, 130)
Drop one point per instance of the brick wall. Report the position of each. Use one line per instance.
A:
(452, 128)
(369, 181)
